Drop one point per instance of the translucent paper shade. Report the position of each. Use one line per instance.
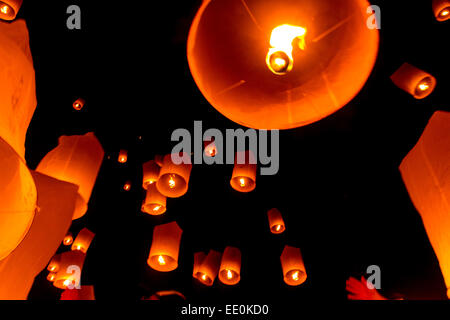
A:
(229, 41)
(70, 269)
(154, 203)
(294, 272)
(243, 178)
(83, 240)
(165, 247)
(173, 180)
(414, 81)
(276, 222)
(198, 259)
(441, 9)
(18, 198)
(426, 174)
(230, 266)
(150, 173)
(9, 9)
(209, 268)
(76, 159)
(17, 84)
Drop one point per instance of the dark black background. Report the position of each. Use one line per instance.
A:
(338, 188)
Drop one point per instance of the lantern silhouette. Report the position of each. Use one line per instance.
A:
(78, 104)
(294, 272)
(68, 239)
(123, 156)
(9, 9)
(230, 267)
(69, 273)
(51, 276)
(198, 259)
(441, 9)
(276, 222)
(151, 173)
(280, 64)
(83, 240)
(127, 185)
(210, 148)
(84, 293)
(76, 159)
(165, 247)
(243, 178)
(414, 81)
(209, 268)
(155, 202)
(426, 173)
(173, 178)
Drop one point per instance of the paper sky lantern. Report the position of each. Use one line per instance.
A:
(441, 9)
(9, 9)
(280, 64)
(53, 265)
(426, 174)
(243, 178)
(151, 173)
(69, 273)
(76, 159)
(208, 270)
(159, 159)
(173, 178)
(127, 185)
(210, 148)
(155, 202)
(84, 293)
(294, 271)
(165, 247)
(68, 239)
(230, 267)
(51, 276)
(198, 259)
(83, 240)
(56, 202)
(414, 81)
(123, 156)
(17, 84)
(78, 104)
(276, 222)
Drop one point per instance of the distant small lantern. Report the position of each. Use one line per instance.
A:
(54, 263)
(159, 159)
(441, 9)
(127, 185)
(69, 273)
(276, 222)
(150, 173)
(208, 270)
(83, 240)
(230, 267)
(155, 202)
(68, 239)
(165, 247)
(173, 178)
(123, 156)
(244, 172)
(210, 148)
(9, 9)
(78, 104)
(294, 272)
(198, 259)
(414, 81)
(51, 276)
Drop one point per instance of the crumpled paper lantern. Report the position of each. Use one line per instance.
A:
(426, 173)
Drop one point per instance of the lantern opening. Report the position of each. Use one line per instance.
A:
(204, 278)
(229, 274)
(296, 275)
(278, 228)
(424, 86)
(444, 12)
(6, 10)
(163, 263)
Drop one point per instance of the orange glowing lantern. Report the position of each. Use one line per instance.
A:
(9, 9)
(127, 185)
(210, 148)
(173, 178)
(84, 293)
(155, 202)
(294, 271)
(69, 273)
(123, 156)
(280, 64)
(426, 174)
(78, 104)
(53, 265)
(230, 267)
(243, 178)
(165, 247)
(83, 240)
(207, 272)
(276, 222)
(198, 259)
(159, 159)
(68, 239)
(51, 276)
(151, 173)
(76, 159)
(414, 81)
(441, 9)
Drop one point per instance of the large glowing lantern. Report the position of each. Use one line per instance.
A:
(276, 222)
(83, 240)
(165, 247)
(76, 159)
(441, 9)
(230, 267)
(18, 199)
(9, 9)
(294, 271)
(154, 203)
(426, 174)
(414, 81)
(69, 273)
(150, 173)
(209, 268)
(173, 177)
(17, 84)
(280, 64)
(243, 178)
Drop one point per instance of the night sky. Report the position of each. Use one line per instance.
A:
(339, 188)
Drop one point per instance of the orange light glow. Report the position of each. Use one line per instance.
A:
(204, 277)
(229, 274)
(156, 208)
(423, 86)
(78, 248)
(279, 59)
(171, 182)
(127, 186)
(51, 277)
(52, 268)
(67, 282)
(445, 13)
(5, 9)
(295, 276)
(242, 182)
(161, 260)
(277, 228)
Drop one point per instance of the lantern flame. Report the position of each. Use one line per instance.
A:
(67, 282)
(4, 9)
(156, 208)
(204, 277)
(423, 86)
(242, 182)
(295, 276)
(445, 12)
(279, 59)
(278, 227)
(229, 275)
(52, 268)
(171, 182)
(161, 260)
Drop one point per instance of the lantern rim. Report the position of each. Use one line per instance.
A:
(301, 278)
(170, 263)
(236, 278)
(250, 184)
(430, 81)
(11, 13)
